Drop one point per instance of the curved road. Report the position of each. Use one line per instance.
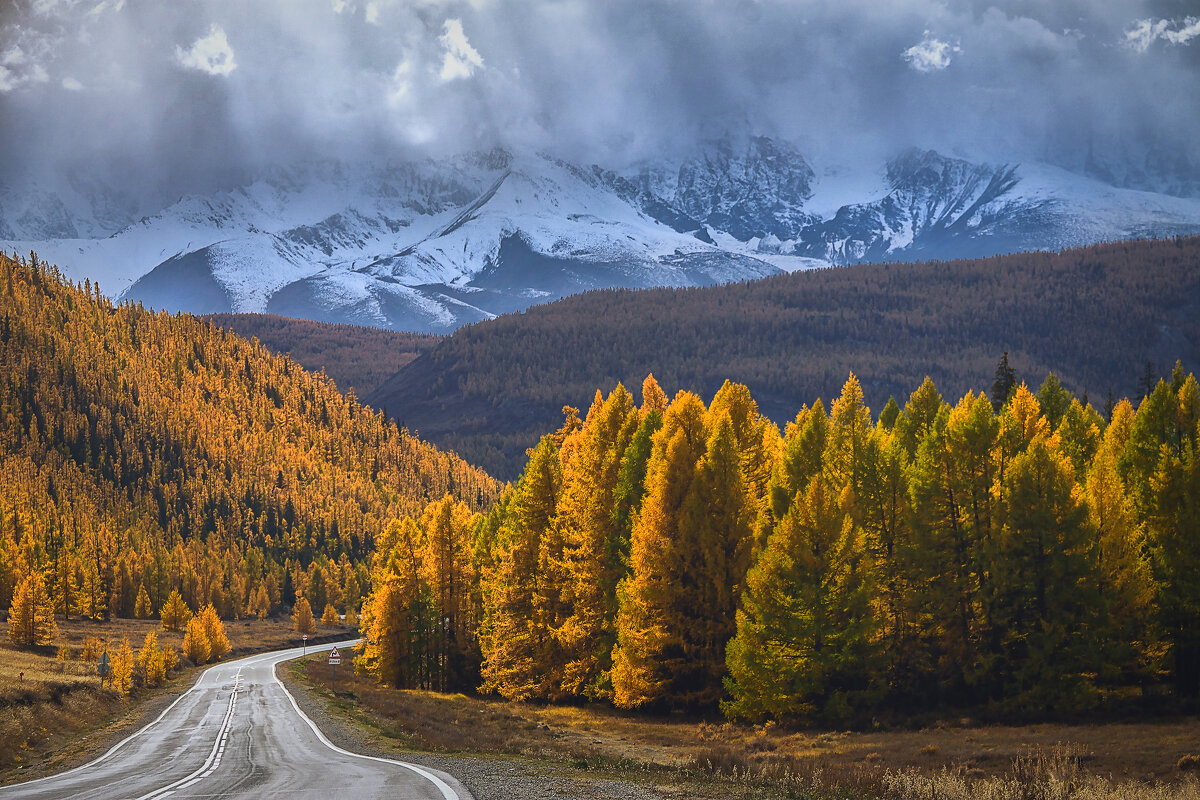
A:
(238, 733)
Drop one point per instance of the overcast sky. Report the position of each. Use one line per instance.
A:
(183, 92)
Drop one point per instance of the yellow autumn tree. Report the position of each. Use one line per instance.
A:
(195, 643)
(141, 607)
(151, 661)
(652, 645)
(214, 632)
(302, 617)
(174, 613)
(522, 598)
(594, 549)
(330, 618)
(448, 572)
(121, 663)
(31, 617)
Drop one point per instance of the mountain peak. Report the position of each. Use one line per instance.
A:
(428, 245)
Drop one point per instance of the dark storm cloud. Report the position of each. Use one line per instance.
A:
(176, 95)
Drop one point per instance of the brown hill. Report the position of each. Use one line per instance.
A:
(1094, 315)
(357, 358)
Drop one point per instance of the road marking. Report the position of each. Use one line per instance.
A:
(123, 742)
(447, 791)
(214, 758)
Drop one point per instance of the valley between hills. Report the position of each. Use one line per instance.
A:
(286, 490)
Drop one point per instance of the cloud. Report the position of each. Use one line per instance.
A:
(930, 54)
(18, 68)
(72, 84)
(210, 53)
(613, 82)
(460, 60)
(1144, 32)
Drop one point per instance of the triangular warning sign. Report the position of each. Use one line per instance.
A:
(334, 653)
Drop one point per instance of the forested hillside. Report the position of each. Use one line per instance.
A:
(1095, 316)
(357, 358)
(157, 452)
(1027, 557)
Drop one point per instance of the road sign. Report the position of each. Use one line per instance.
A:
(335, 657)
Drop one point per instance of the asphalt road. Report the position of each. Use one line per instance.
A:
(237, 733)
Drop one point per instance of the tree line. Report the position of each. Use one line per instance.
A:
(1022, 552)
(144, 454)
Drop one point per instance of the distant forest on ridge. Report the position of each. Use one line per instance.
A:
(1094, 316)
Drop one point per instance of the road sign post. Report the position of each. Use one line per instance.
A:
(304, 644)
(335, 658)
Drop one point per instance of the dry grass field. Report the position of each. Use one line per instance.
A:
(681, 757)
(54, 710)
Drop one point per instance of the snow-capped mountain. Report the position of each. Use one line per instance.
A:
(432, 245)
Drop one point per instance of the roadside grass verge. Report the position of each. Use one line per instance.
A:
(690, 757)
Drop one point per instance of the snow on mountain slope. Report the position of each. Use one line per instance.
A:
(432, 245)
(426, 246)
(939, 207)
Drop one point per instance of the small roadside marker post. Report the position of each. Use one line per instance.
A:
(335, 658)
(102, 667)
(304, 644)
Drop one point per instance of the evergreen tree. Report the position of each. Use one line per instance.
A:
(885, 514)
(889, 414)
(803, 647)
(1053, 400)
(1048, 603)
(717, 525)
(950, 562)
(850, 428)
(1004, 383)
(918, 416)
(631, 479)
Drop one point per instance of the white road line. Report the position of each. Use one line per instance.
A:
(214, 758)
(119, 744)
(447, 791)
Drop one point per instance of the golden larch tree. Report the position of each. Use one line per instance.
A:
(31, 617)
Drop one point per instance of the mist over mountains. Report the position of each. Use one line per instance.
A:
(431, 245)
